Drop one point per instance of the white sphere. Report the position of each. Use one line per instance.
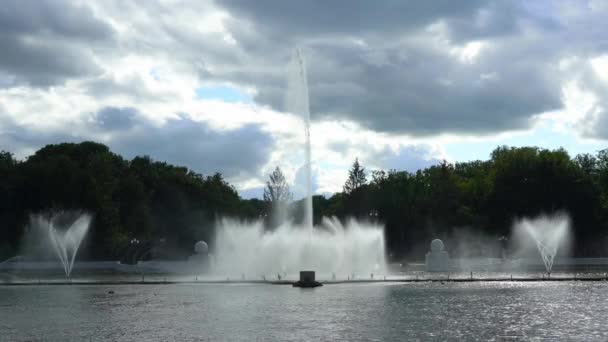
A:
(436, 245)
(201, 247)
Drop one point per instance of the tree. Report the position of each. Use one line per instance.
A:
(587, 163)
(277, 196)
(8, 205)
(151, 201)
(356, 177)
(277, 189)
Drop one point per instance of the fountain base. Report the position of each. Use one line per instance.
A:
(307, 279)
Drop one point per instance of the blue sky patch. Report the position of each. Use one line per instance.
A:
(223, 93)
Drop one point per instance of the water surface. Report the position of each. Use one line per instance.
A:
(343, 312)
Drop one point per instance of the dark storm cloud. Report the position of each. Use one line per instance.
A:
(45, 42)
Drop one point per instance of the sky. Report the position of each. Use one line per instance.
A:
(398, 84)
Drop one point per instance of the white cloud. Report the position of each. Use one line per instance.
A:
(600, 67)
(469, 52)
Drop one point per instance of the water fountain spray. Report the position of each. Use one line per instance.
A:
(246, 247)
(548, 233)
(298, 103)
(65, 242)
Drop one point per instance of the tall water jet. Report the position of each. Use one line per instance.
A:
(298, 103)
(548, 233)
(65, 242)
(246, 248)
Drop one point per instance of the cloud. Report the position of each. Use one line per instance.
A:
(388, 80)
(113, 118)
(23, 140)
(396, 67)
(47, 42)
(51, 17)
(585, 98)
(405, 67)
(409, 158)
(425, 92)
(238, 154)
(305, 18)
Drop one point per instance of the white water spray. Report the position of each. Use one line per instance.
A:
(65, 242)
(298, 103)
(245, 248)
(549, 234)
(330, 249)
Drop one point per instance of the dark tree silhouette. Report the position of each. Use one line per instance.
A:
(356, 177)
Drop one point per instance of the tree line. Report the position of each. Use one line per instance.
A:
(130, 200)
(157, 202)
(481, 198)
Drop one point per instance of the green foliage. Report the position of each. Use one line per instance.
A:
(356, 177)
(138, 199)
(483, 197)
(154, 201)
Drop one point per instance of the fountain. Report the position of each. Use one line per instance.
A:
(298, 103)
(246, 248)
(549, 234)
(65, 242)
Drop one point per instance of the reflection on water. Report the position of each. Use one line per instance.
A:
(347, 312)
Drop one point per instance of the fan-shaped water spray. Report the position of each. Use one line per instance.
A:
(549, 234)
(65, 242)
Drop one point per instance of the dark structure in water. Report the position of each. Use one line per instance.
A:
(307, 279)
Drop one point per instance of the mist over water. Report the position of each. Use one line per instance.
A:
(332, 248)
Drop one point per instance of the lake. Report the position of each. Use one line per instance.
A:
(339, 312)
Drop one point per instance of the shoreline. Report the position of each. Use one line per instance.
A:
(289, 282)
